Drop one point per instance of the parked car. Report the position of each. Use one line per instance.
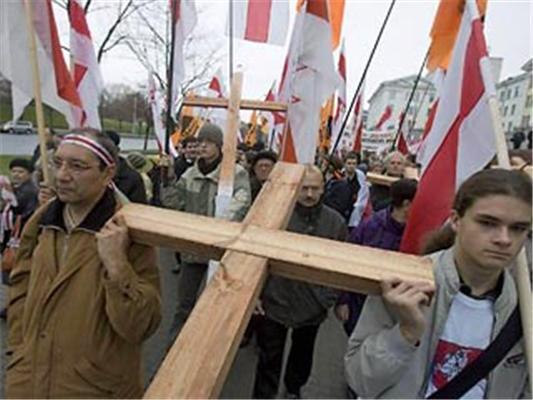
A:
(18, 127)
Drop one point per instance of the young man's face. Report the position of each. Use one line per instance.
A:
(19, 176)
(79, 177)
(190, 150)
(350, 165)
(492, 231)
(262, 168)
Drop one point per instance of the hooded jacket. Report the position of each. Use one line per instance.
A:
(295, 303)
(380, 363)
(74, 333)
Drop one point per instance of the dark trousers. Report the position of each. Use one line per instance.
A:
(189, 281)
(271, 337)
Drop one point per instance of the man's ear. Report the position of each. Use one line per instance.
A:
(454, 220)
(110, 172)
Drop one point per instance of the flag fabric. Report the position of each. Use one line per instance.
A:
(341, 99)
(336, 11)
(309, 78)
(461, 140)
(57, 86)
(86, 71)
(387, 113)
(155, 101)
(216, 88)
(263, 21)
(251, 134)
(184, 19)
(276, 122)
(444, 32)
(357, 132)
(402, 145)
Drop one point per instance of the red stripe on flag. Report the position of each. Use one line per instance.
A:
(258, 20)
(79, 73)
(288, 152)
(342, 66)
(318, 8)
(215, 86)
(77, 18)
(65, 86)
(175, 8)
(440, 176)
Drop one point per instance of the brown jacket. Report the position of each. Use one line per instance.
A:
(72, 332)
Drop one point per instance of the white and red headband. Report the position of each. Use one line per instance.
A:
(92, 145)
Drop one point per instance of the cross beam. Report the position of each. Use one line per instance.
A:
(198, 362)
(214, 102)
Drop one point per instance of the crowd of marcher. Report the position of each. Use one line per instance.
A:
(83, 297)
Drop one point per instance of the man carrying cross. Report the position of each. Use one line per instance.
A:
(292, 304)
(195, 193)
(83, 297)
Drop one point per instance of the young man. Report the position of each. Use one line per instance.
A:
(195, 193)
(292, 304)
(83, 298)
(187, 157)
(415, 338)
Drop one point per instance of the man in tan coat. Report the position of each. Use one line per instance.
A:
(83, 297)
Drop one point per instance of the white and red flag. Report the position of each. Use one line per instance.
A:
(263, 21)
(385, 116)
(216, 88)
(355, 141)
(57, 86)
(309, 78)
(86, 71)
(340, 109)
(184, 19)
(156, 105)
(461, 140)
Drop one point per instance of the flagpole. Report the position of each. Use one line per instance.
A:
(37, 92)
(363, 76)
(170, 78)
(408, 104)
(230, 20)
(521, 275)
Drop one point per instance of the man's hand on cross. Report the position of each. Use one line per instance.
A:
(406, 301)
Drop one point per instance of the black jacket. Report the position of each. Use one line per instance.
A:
(295, 303)
(341, 195)
(130, 182)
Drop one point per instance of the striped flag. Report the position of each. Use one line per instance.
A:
(263, 21)
(341, 99)
(86, 71)
(387, 113)
(217, 88)
(155, 100)
(461, 140)
(184, 19)
(309, 78)
(57, 86)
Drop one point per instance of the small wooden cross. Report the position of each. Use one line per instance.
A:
(198, 362)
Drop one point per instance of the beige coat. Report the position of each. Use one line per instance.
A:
(72, 332)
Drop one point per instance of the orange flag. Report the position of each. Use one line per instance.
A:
(444, 31)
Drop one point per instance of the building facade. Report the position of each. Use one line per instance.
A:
(515, 98)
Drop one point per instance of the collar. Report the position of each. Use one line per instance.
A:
(94, 221)
(308, 212)
(492, 294)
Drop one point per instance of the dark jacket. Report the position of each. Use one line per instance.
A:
(380, 231)
(130, 182)
(181, 165)
(379, 196)
(294, 303)
(27, 199)
(341, 194)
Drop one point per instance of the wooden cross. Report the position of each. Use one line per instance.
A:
(198, 362)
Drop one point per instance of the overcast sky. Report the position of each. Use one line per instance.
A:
(508, 30)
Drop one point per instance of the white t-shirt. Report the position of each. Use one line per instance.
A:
(466, 334)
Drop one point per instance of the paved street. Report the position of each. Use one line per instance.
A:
(326, 379)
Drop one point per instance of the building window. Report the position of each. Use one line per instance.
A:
(502, 95)
(526, 121)
(528, 101)
(505, 111)
(512, 109)
(509, 126)
(508, 94)
(516, 91)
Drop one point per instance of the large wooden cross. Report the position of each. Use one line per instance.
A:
(198, 362)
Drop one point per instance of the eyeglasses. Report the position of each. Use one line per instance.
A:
(73, 166)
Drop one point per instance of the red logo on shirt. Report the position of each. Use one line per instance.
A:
(449, 360)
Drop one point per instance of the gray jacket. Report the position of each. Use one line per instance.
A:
(195, 193)
(380, 363)
(295, 303)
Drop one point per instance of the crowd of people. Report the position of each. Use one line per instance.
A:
(83, 297)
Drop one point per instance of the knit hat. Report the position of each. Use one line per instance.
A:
(21, 163)
(211, 133)
(139, 161)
